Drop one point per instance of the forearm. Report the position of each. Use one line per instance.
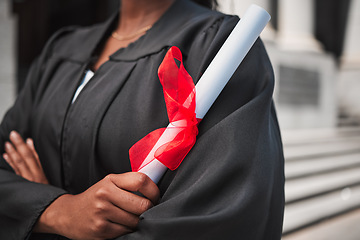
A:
(51, 220)
(22, 203)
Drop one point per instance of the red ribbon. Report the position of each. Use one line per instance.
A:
(179, 94)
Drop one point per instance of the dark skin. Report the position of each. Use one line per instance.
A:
(107, 209)
(134, 15)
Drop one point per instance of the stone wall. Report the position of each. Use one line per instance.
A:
(7, 59)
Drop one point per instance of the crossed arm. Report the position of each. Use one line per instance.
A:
(23, 159)
(107, 209)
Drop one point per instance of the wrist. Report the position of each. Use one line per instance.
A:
(53, 219)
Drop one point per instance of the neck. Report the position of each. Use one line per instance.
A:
(137, 14)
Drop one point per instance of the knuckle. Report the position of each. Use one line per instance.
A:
(141, 180)
(109, 177)
(27, 154)
(100, 206)
(100, 226)
(145, 205)
(101, 193)
(20, 146)
(135, 222)
(18, 160)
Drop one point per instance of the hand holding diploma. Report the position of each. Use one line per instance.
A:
(208, 89)
(105, 210)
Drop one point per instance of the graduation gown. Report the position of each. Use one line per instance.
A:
(230, 185)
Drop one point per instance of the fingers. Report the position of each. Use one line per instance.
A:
(137, 182)
(16, 161)
(118, 188)
(109, 220)
(24, 151)
(82, 216)
(126, 201)
(30, 144)
(11, 163)
(23, 158)
(124, 218)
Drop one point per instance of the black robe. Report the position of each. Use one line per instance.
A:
(230, 185)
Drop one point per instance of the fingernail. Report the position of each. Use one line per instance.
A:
(14, 135)
(29, 141)
(7, 146)
(5, 156)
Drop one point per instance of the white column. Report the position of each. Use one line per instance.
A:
(7, 57)
(296, 25)
(351, 52)
(349, 74)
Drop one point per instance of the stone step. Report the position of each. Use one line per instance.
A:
(303, 188)
(312, 166)
(344, 227)
(316, 139)
(291, 137)
(305, 213)
(322, 170)
(322, 149)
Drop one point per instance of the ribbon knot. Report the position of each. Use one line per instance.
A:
(179, 95)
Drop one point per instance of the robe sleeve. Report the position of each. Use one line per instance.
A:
(231, 184)
(22, 201)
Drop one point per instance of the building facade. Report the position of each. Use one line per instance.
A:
(313, 45)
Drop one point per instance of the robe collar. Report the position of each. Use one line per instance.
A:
(158, 37)
(163, 34)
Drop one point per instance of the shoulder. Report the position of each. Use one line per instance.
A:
(195, 19)
(192, 11)
(76, 42)
(194, 28)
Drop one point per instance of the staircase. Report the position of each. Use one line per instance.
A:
(322, 169)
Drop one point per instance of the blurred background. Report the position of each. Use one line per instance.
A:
(314, 46)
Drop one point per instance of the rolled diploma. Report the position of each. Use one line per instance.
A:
(214, 79)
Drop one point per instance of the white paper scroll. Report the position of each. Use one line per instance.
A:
(216, 76)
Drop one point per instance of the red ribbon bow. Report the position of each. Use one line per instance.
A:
(179, 94)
